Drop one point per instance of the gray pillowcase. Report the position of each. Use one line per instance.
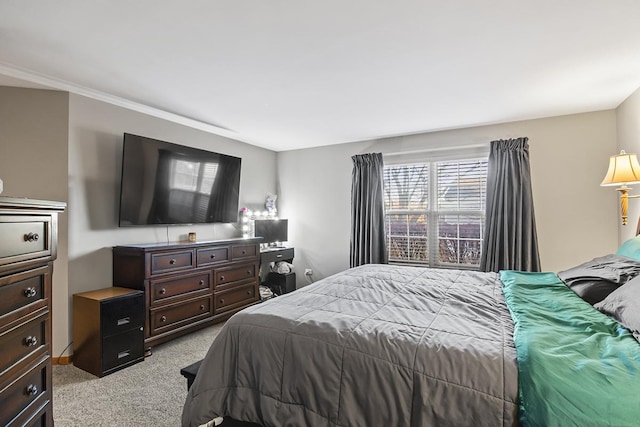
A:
(595, 279)
(623, 304)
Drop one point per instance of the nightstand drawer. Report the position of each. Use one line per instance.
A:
(121, 314)
(275, 255)
(212, 256)
(183, 284)
(23, 341)
(122, 349)
(167, 262)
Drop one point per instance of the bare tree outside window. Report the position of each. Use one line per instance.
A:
(406, 207)
(435, 212)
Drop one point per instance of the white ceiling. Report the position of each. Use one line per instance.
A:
(293, 74)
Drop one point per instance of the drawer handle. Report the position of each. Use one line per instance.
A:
(244, 252)
(201, 282)
(125, 353)
(279, 256)
(172, 261)
(213, 256)
(201, 306)
(124, 321)
(32, 390)
(221, 301)
(221, 278)
(163, 319)
(248, 272)
(30, 341)
(31, 237)
(163, 291)
(249, 292)
(30, 292)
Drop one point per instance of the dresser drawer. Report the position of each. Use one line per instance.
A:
(122, 349)
(166, 288)
(235, 297)
(27, 394)
(24, 292)
(174, 261)
(121, 314)
(244, 251)
(211, 256)
(42, 418)
(23, 341)
(24, 237)
(175, 315)
(228, 275)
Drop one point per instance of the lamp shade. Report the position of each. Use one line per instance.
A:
(623, 169)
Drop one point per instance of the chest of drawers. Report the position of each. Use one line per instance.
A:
(28, 247)
(188, 286)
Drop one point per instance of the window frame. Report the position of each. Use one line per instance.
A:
(433, 214)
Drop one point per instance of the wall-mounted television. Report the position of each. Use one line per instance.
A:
(164, 183)
(272, 230)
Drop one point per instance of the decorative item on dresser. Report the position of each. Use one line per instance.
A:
(188, 285)
(108, 329)
(28, 247)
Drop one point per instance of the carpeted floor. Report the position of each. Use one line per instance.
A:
(149, 393)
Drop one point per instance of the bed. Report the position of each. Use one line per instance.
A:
(406, 346)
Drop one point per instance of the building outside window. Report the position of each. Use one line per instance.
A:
(435, 212)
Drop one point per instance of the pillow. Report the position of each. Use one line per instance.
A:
(595, 279)
(623, 304)
(630, 249)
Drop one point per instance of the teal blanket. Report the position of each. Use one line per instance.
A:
(576, 366)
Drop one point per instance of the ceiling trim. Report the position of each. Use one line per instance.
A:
(59, 84)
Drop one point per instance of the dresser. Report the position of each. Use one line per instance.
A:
(108, 329)
(188, 286)
(28, 245)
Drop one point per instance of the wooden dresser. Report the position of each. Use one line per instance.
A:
(28, 242)
(188, 286)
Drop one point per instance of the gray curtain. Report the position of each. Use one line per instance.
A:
(368, 245)
(510, 240)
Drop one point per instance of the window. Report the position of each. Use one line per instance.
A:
(435, 212)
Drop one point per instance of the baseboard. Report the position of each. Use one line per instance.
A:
(62, 360)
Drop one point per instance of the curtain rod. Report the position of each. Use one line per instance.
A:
(428, 150)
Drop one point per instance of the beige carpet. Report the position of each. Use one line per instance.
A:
(149, 393)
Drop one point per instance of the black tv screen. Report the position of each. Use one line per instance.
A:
(271, 230)
(165, 183)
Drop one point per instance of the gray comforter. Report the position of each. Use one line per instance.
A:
(374, 345)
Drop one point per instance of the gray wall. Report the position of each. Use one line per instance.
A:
(576, 218)
(629, 140)
(33, 164)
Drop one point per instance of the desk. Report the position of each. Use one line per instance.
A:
(268, 255)
(278, 283)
